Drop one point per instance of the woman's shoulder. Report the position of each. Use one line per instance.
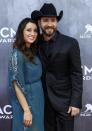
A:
(17, 53)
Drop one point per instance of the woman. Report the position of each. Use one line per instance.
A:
(25, 79)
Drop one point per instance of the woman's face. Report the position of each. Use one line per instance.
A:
(30, 34)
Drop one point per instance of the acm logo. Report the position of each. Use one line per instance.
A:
(6, 35)
(6, 112)
(87, 72)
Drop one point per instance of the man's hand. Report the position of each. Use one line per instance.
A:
(73, 111)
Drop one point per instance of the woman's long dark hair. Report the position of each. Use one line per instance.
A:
(19, 42)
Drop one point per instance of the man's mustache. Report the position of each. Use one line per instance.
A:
(49, 27)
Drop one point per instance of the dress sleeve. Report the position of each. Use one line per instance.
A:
(17, 67)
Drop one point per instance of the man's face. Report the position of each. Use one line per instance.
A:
(48, 25)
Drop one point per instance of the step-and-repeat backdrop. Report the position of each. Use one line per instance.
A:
(76, 22)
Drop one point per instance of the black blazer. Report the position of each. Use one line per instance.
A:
(62, 71)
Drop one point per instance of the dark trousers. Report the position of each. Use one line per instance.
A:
(57, 121)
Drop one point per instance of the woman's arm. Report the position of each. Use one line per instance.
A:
(22, 100)
(18, 81)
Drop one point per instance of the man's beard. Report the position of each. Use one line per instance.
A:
(49, 31)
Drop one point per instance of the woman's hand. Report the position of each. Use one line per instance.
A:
(27, 118)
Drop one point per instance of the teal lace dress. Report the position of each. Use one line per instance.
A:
(28, 78)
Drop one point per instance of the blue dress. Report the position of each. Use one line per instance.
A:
(28, 78)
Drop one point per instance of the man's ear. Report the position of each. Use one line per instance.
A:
(39, 24)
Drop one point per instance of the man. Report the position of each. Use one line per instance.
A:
(62, 73)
